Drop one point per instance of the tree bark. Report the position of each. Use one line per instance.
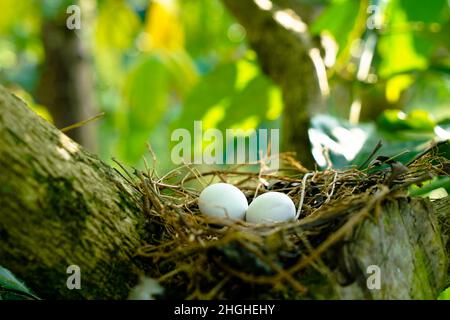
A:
(62, 206)
(285, 52)
(407, 246)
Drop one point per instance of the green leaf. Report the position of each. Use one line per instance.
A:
(392, 119)
(339, 19)
(397, 50)
(116, 25)
(183, 74)
(416, 121)
(406, 44)
(420, 120)
(212, 88)
(207, 24)
(430, 92)
(332, 133)
(445, 295)
(439, 182)
(13, 289)
(250, 106)
(145, 102)
(435, 10)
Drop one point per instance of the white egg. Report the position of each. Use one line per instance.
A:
(271, 207)
(223, 200)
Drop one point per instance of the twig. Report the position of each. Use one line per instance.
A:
(374, 151)
(82, 123)
(302, 196)
(333, 185)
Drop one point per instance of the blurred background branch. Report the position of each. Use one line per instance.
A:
(283, 44)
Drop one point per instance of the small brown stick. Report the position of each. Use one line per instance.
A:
(333, 185)
(242, 173)
(374, 151)
(434, 146)
(172, 273)
(124, 170)
(341, 232)
(322, 268)
(280, 271)
(154, 159)
(82, 123)
(214, 291)
(196, 174)
(326, 155)
(302, 196)
(261, 168)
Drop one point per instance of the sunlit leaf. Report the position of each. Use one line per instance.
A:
(212, 88)
(163, 27)
(445, 295)
(246, 70)
(420, 120)
(10, 11)
(116, 25)
(339, 19)
(416, 120)
(251, 104)
(397, 50)
(396, 85)
(392, 119)
(436, 183)
(275, 104)
(406, 43)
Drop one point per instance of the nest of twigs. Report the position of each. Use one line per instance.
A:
(197, 257)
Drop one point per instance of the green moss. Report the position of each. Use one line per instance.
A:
(5, 189)
(421, 287)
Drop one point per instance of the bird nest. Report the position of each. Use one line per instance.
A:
(194, 256)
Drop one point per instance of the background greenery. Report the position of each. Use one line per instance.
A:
(159, 65)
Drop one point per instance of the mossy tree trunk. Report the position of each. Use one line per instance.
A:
(60, 206)
(406, 244)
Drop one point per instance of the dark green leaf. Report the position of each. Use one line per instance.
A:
(12, 288)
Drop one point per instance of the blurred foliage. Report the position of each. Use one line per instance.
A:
(186, 57)
(393, 64)
(159, 65)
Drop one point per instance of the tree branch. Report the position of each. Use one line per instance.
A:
(60, 206)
